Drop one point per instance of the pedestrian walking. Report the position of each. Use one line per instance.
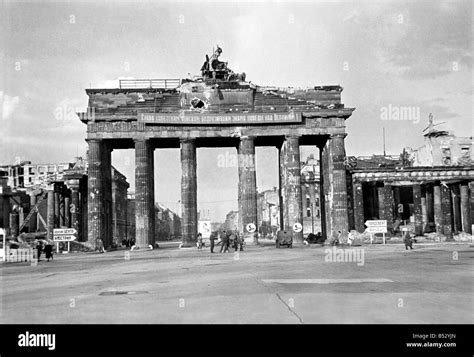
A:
(48, 251)
(199, 241)
(225, 243)
(407, 241)
(39, 249)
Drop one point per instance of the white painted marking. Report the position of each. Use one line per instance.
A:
(325, 281)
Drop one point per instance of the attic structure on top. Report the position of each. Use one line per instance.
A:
(219, 108)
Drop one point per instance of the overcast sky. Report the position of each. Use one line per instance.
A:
(386, 55)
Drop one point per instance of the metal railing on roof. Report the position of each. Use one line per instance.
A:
(149, 83)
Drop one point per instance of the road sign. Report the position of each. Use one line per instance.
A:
(64, 238)
(62, 231)
(251, 228)
(376, 223)
(382, 229)
(297, 227)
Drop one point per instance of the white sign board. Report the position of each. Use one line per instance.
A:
(376, 223)
(376, 229)
(204, 227)
(64, 238)
(61, 231)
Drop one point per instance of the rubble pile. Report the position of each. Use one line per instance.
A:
(463, 237)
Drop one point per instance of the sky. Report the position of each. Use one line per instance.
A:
(389, 56)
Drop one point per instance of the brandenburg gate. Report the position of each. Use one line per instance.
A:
(217, 109)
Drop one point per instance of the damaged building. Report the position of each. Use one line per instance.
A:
(430, 188)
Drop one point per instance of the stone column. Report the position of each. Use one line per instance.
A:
(447, 211)
(323, 190)
(381, 201)
(75, 207)
(293, 187)
(62, 210)
(337, 184)
(99, 165)
(107, 194)
(456, 198)
(247, 188)
(358, 195)
(424, 209)
(50, 212)
(144, 208)
(313, 207)
(57, 211)
(417, 209)
(67, 212)
(33, 219)
(389, 203)
(465, 208)
(397, 199)
(281, 184)
(189, 221)
(14, 224)
(438, 212)
(152, 195)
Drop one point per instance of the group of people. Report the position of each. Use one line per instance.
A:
(225, 239)
(46, 248)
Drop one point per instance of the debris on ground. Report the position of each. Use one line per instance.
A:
(355, 238)
(463, 237)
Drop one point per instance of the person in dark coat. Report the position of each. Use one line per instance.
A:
(408, 241)
(48, 251)
(225, 242)
(39, 249)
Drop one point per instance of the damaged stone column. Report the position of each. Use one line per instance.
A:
(57, 211)
(50, 212)
(389, 203)
(326, 199)
(417, 211)
(447, 211)
(337, 185)
(293, 197)
(424, 209)
(75, 207)
(358, 194)
(32, 224)
(438, 212)
(97, 185)
(456, 199)
(144, 200)
(247, 189)
(465, 208)
(189, 222)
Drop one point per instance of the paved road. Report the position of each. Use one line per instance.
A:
(431, 284)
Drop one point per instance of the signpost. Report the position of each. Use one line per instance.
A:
(376, 226)
(64, 235)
